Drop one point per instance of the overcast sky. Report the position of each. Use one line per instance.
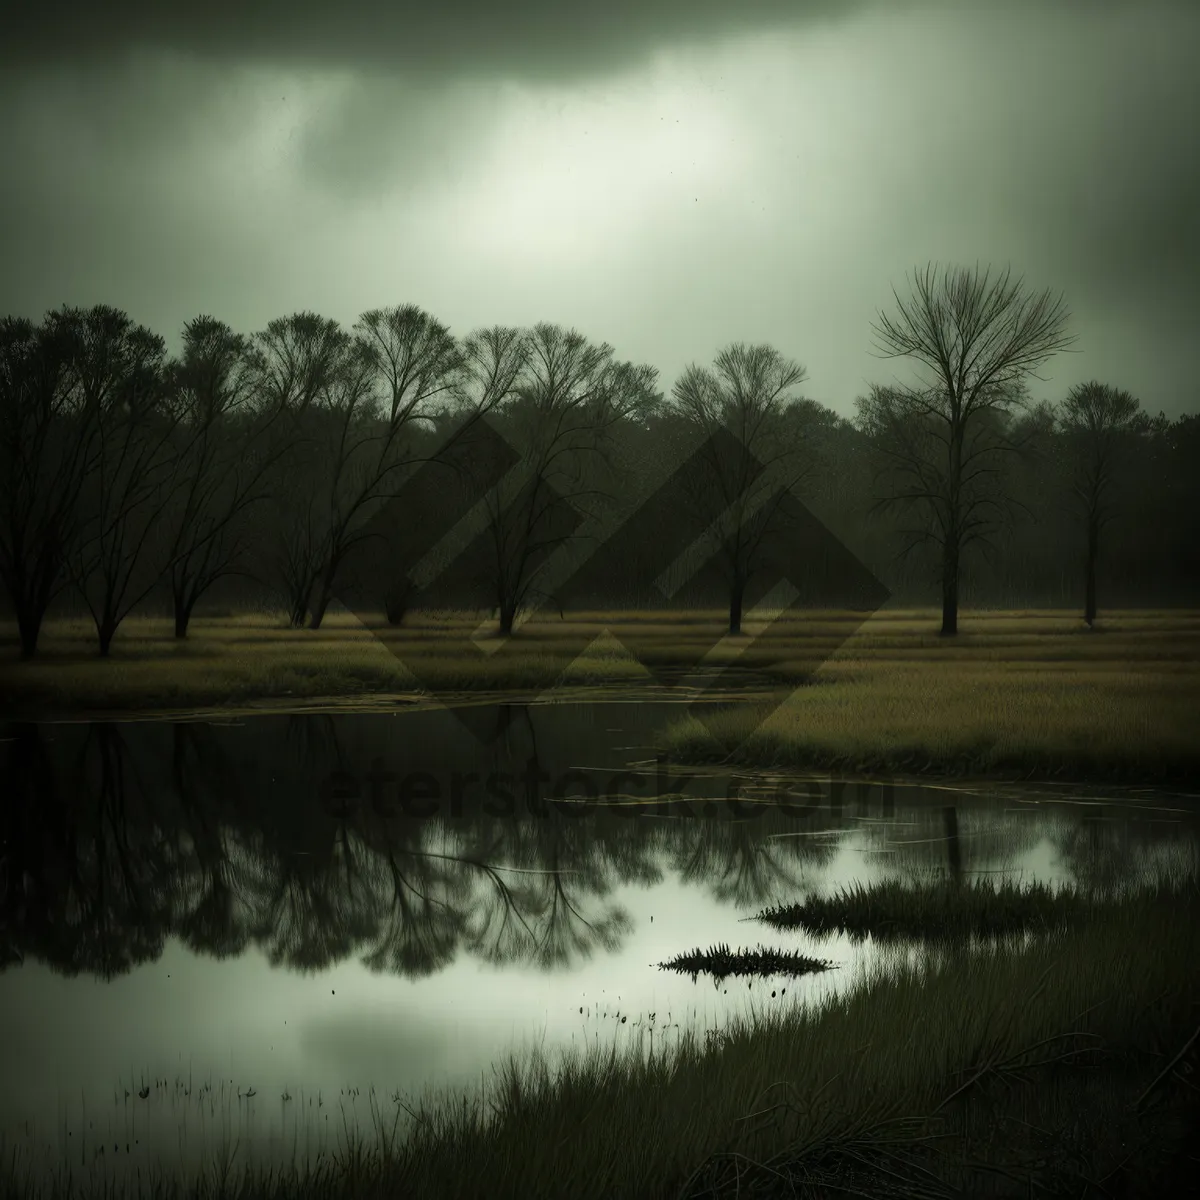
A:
(665, 175)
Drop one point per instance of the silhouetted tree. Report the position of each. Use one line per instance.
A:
(297, 457)
(119, 368)
(299, 360)
(46, 439)
(406, 367)
(746, 477)
(914, 479)
(229, 437)
(979, 338)
(569, 398)
(1099, 422)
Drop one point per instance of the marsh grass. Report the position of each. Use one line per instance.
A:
(223, 1137)
(1013, 694)
(999, 1071)
(232, 662)
(891, 910)
(1123, 703)
(721, 962)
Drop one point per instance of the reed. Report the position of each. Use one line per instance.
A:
(891, 910)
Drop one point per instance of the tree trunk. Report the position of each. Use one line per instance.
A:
(949, 592)
(1093, 552)
(508, 615)
(29, 625)
(322, 603)
(105, 631)
(395, 603)
(298, 609)
(183, 614)
(953, 530)
(737, 595)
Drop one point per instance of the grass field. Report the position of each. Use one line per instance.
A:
(1014, 692)
(1061, 1067)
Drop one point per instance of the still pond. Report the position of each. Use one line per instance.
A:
(246, 937)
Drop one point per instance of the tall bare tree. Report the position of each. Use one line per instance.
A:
(748, 392)
(1099, 422)
(401, 365)
(119, 370)
(46, 441)
(939, 510)
(298, 362)
(570, 397)
(229, 437)
(297, 357)
(464, 458)
(976, 340)
(361, 400)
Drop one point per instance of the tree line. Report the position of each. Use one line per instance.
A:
(309, 461)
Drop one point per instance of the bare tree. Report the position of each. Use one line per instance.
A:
(748, 393)
(362, 400)
(913, 474)
(978, 339)
(298, 360)
(1028, 491)
(465, 458)
(570, 397)
(229, 437)
(295, 550)
(46, 440)
(1099, 422)
(297, 357)
(118, 368)
(353, 454)
(417, 361)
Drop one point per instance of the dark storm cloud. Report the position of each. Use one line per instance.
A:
(100, 121)
(1102, 176)
(1117, 204)
(173, 161)
(345, 152)
(542, 39)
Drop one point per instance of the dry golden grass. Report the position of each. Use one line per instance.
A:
(232, 660)
(1036, 692)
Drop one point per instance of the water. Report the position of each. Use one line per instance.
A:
(340, 913)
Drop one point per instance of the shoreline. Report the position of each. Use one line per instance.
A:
(866, 768)
(1018, 696)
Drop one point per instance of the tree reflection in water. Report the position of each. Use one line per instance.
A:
(119, 837)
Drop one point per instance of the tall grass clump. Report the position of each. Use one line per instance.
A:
(891, 910)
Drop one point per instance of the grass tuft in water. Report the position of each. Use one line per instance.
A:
(721, 962)
(894, 910)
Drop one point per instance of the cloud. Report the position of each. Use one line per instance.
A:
(530, 39)
(377, 129)
(664, 194)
